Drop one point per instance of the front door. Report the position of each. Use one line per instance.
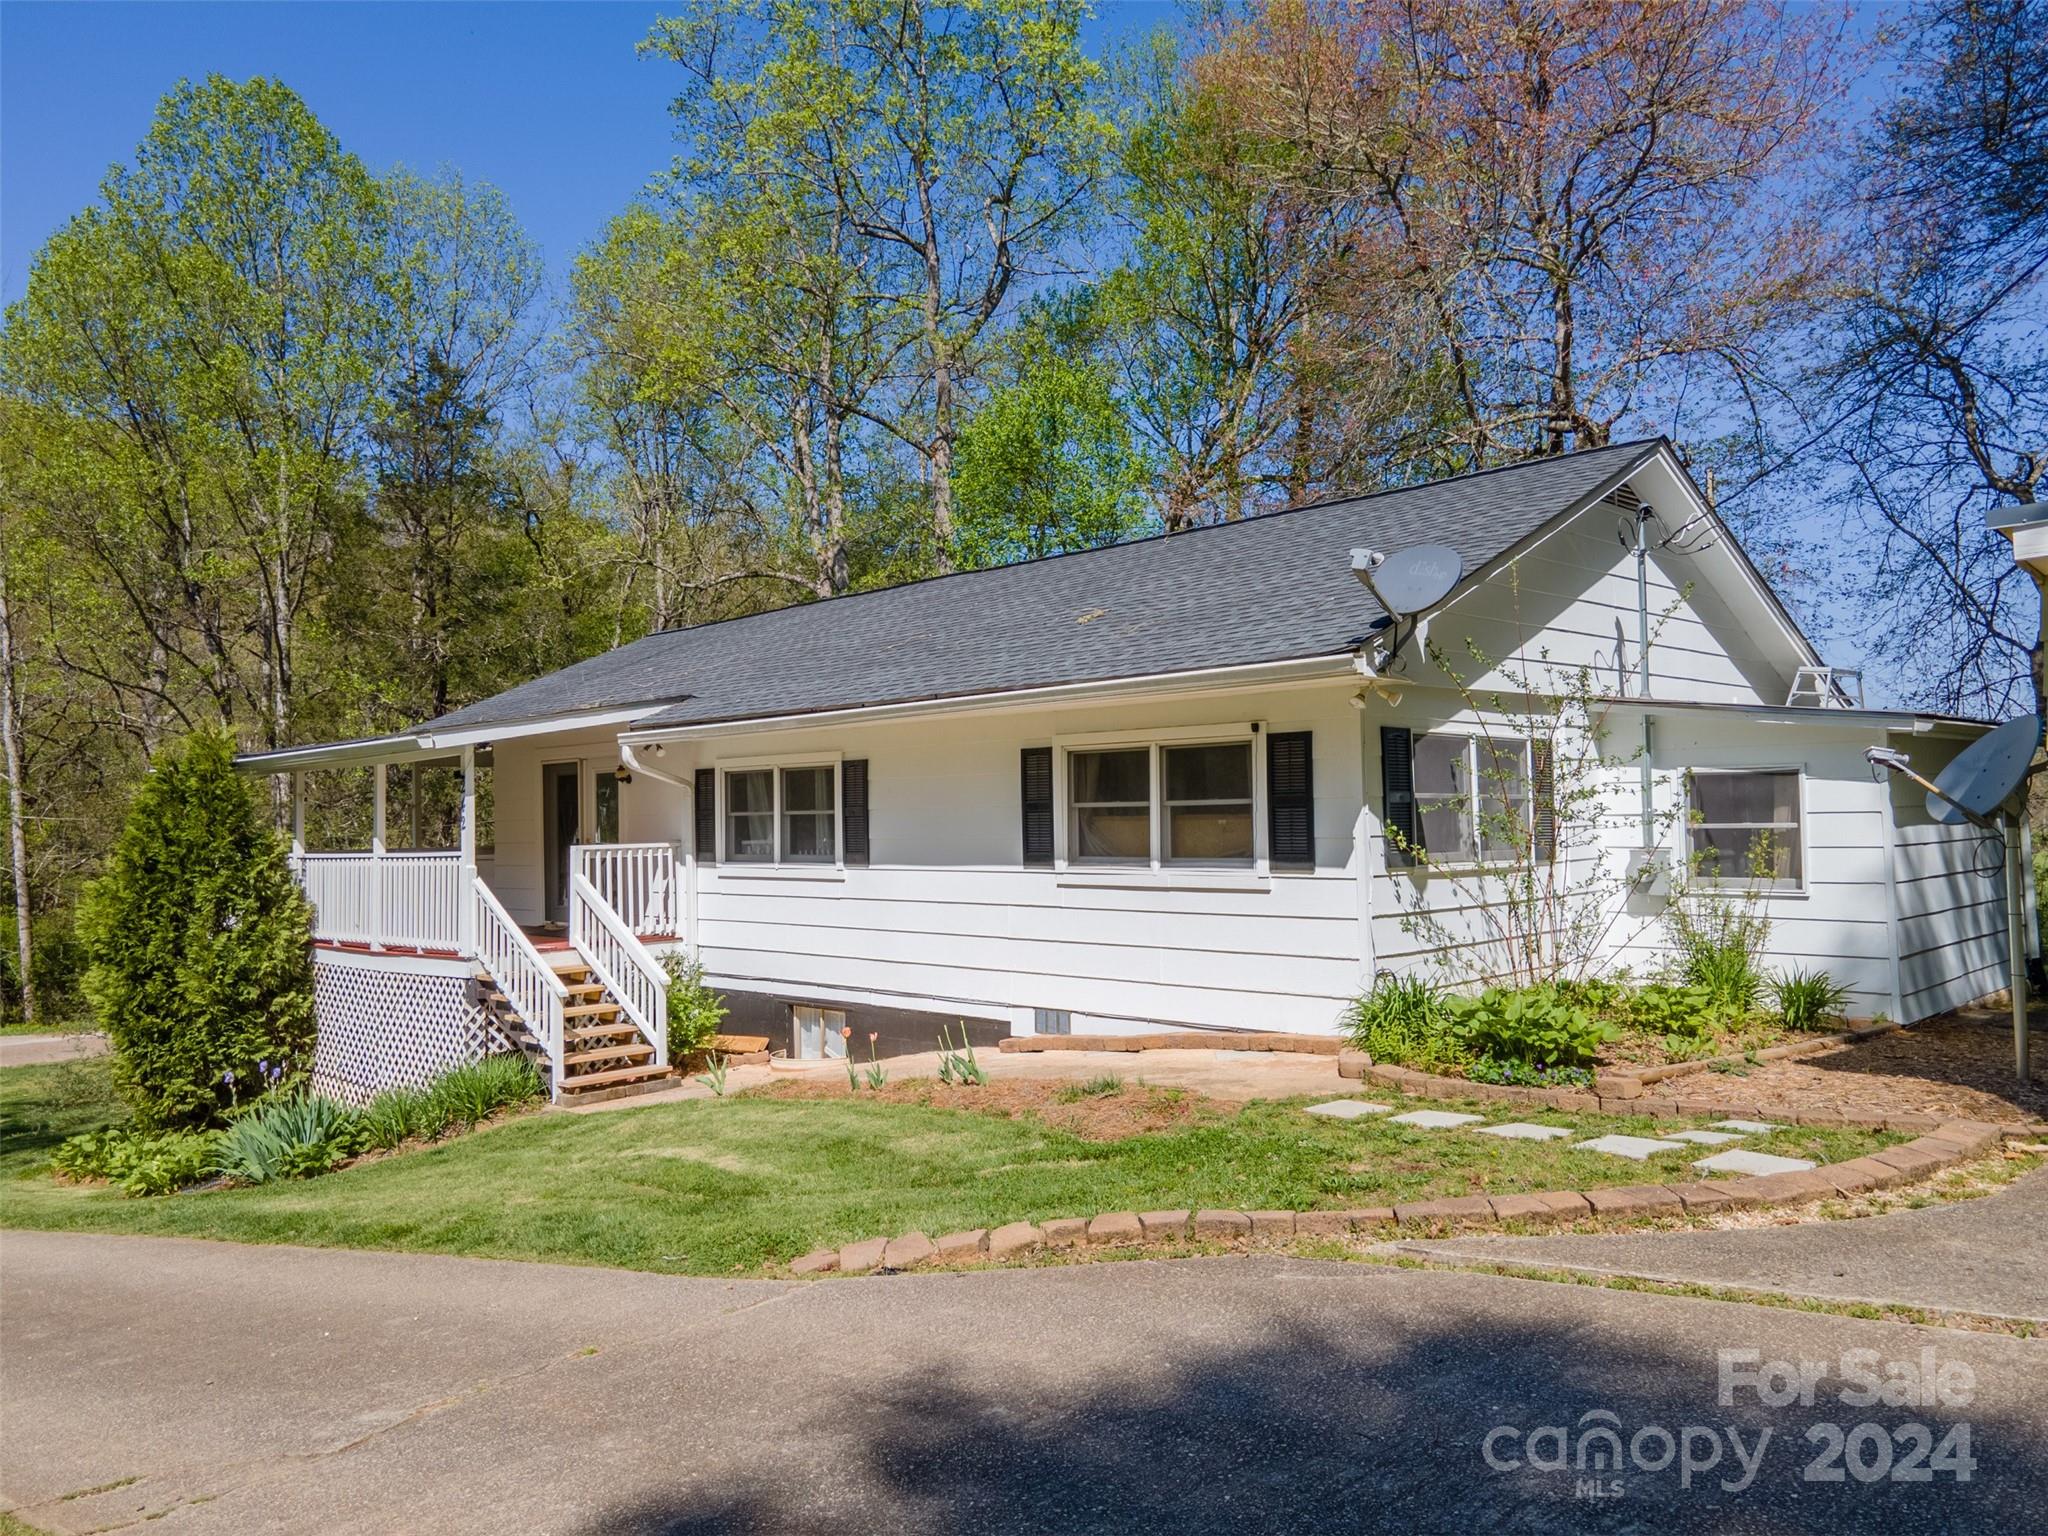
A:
(561, 808)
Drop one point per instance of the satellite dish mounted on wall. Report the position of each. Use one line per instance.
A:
(1407, 583)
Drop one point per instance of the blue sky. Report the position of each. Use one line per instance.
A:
(548, 101)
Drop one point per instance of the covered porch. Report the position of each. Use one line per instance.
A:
(427, 864)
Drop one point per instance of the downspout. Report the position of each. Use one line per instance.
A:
(639, 764)
(1643, 515)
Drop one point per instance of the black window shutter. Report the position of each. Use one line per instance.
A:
(1291, 798)
(853, 779)
(706, 799)
(1037, 777)
(1397, 776)
(1543, 794)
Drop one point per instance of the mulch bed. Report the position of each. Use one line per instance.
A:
(1133, 1110)
(1958, 1065)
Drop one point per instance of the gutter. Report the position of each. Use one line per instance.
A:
(1302, 669)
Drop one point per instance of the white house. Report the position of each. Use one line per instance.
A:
(1135, 788)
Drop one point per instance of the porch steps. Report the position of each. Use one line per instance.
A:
(604, 1055)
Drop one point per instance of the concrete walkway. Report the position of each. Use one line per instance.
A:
(213, 1388)
(35, 1050)
(1987, 1256)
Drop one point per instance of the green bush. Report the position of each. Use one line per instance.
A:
(1676, 1013)
(138, 1162)
(200, 943)
(694, 1010)
(1596, 994)
(1808, 999)
(1530, 1027)
(469, 1095)
(288, 1136)
(1405, 1022)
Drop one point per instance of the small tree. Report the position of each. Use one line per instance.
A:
(200, 943)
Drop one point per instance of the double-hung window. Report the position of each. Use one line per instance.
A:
(1166, 803)
(782, 815)
(1472, 798)
(1744, 826)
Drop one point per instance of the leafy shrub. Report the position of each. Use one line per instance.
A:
(1531, 1027)
(694, 1010)
(1405, 1021)
(199, 941)
(469, 1095)
(1808, 999)
(289, 1136)
(139, 1162)
(1676, 1013)
(1596, 994)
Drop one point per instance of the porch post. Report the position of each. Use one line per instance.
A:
(377, 858)
(298, 819)
(466, 897)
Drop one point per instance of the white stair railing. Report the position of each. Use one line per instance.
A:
(508, 957)
(636, 880)
(630, 974)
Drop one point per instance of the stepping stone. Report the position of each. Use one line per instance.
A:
(1740, 1161)
(1637, 1147)
(1707, 1138)
(1348, 1109)
(1434, 1119)
(1517, 1130)
(1747, 1127)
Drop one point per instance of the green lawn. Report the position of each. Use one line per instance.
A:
(74, 1024)
(724, 1186)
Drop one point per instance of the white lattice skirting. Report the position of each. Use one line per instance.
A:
(390, 1028)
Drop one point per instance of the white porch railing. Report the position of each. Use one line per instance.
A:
(630, 974)
(529, 982)
(636, 880)
(408, 900)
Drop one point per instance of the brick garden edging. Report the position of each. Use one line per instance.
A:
(1948, 1142)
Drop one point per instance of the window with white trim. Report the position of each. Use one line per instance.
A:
(1744, 826)
(778, 815)
(1172, 803)
(1472, 797)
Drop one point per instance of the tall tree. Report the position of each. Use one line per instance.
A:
(1585, 194)
(1929, 400)
(954, 146)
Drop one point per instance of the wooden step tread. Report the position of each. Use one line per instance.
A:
(601, 1032)
(608, 1053)
(581, 1010)
(571, 1085)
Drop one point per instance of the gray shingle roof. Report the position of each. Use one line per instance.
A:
(1271, 588)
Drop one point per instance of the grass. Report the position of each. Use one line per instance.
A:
(725, 1186)
(72, 1024)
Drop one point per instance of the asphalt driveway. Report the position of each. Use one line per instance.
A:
(216, 1388)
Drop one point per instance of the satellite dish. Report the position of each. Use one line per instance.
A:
(1985, 773)
(1409, 580)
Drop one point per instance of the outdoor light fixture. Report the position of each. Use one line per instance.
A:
(622, 774)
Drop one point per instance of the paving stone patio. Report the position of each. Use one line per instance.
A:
(1637, 1147)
